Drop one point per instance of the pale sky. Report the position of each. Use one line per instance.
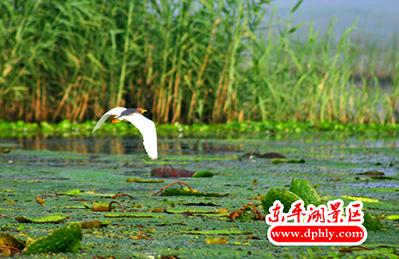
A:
(377, 19)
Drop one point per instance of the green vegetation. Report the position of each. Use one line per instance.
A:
(286, 197)
(186, 61)
(304, 189)
(226, 130)
(62, 240)
(142, 224)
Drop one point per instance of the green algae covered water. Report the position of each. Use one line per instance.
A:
(72, 176)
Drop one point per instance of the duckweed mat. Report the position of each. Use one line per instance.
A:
(135, 223)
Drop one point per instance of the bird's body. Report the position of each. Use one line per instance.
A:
(144, 125)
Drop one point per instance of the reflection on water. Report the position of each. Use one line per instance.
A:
(121, 145)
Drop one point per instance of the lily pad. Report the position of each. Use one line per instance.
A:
(141, 180)
(248, 212)
(72, 192)
(394, 217)
(133, 215)
(219, 232)
(269, 155)
(216, 241)
(202, 174)
(55, 218)
(362, 199)
(190, 192)
(93, 224)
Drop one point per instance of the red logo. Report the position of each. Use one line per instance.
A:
(322, 225)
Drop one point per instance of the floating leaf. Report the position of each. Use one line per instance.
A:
(219, 232)
(216, 241)
(5, 150)
(105, 206)
(72, 192)
(203, 174)
(362, 199)
(190, 192)
(304, 189)
(93, 224)
(351, 249)
(371, 173)
(199, 211)
(40, 200)
(287, 161)
(101, 206)
(55, 218)
(141, 180)
(133, 215)
(10, 245)
(376, 175)
(63, 240)
(141, 235)
(394, 217)
(185, 190)
(269, 155)
(248, 212)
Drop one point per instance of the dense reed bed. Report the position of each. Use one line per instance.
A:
(186, 61)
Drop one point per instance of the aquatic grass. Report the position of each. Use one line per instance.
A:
(246, 129)
(188, 62)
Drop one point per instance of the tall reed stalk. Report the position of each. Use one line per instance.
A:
(186, 61)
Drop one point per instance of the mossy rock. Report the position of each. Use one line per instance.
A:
(284, 196)
(304, 189)
(372, 222)
(63, 240)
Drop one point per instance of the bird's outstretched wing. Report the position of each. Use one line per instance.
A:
(117, 111)
(148, 130)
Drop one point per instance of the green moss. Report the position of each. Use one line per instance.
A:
(63, 240)
(55, 218)
(304, 189)
(372, 222)
(284, 196)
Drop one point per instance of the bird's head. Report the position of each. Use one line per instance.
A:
(141, 110)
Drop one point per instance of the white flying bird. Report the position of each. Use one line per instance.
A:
(144, 125)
